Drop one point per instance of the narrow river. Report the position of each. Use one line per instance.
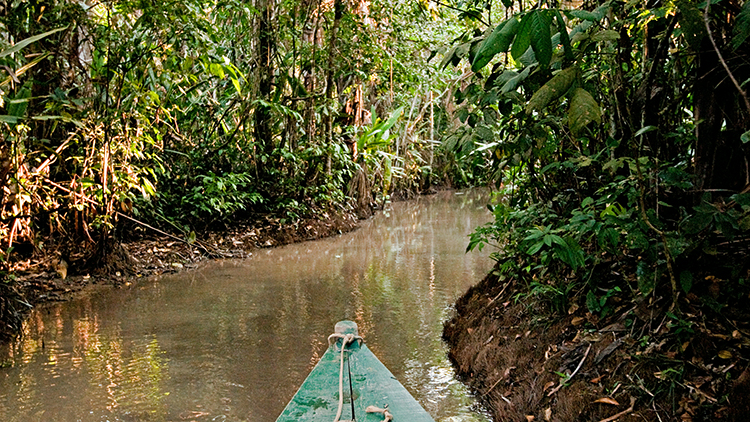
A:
(232, 340)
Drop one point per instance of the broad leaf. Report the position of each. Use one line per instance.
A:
(513, 82)
(553, 89)
(523, 37)
(448, 57)
(606, 35)
(691, 23)
(23, 43)
(583, 110)
(498, 42)
(541, 36)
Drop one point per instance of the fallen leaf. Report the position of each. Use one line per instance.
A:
(577, 321)
(529, 418)
(548, 385)
(607, 400)
(736, 334)
(548, 414)
(597, 379)
(725, 354)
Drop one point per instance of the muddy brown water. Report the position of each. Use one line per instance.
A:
(233, 340)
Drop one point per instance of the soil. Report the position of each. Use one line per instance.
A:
(526, 363)
(71, 270)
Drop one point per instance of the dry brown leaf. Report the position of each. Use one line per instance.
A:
(607, 400)
(597, 379)
(577, 321)
(529, 418)
(548, 414)
(548, 385)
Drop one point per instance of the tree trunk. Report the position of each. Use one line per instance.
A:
(266, 51)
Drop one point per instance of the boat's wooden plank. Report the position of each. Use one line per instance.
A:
(373, 384)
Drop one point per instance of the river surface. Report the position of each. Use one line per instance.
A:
(233, 340)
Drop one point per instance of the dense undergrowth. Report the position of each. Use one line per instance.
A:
(620, 138)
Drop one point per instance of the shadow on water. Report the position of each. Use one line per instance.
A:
(232, 340)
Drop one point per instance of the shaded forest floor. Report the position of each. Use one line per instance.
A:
(44, 278)
(526, 363)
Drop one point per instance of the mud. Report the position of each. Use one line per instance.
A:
(526, 365)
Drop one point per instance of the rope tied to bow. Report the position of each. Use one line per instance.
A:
(346, 339)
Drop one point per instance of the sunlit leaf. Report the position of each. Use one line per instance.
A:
(23, 43)
(497, 42)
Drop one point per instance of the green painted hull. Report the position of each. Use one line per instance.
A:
(372, 385)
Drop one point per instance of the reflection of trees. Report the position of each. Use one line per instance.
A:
(231, 334)
(123, 379)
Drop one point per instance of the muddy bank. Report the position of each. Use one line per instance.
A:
(525, 364)
(60, 276)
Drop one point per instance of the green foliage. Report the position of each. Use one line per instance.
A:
(593, 140)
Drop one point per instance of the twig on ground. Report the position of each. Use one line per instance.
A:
(623, 413)
(562, 382)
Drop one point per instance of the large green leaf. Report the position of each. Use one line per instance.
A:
(523, 37)
(553, 89)
(583, 110)
(513, 82)
(691, 23)
(497, 42)
(541, 36)
(23, 43)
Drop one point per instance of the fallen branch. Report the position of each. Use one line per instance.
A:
(562, 383)
(623, 413)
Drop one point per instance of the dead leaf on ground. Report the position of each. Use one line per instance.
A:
(725, 354)
(548, 385)
(548, 414)
(607, 400)
(529, 418)
(577, 321)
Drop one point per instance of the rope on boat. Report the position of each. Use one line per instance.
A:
(346, 339)
(387, 416)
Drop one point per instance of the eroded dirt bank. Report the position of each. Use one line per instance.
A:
(526, 366)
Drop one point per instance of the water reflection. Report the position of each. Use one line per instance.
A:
(233, 340)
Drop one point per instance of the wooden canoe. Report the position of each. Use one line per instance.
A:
(364, 378)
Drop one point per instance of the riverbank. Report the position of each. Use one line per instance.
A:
(525, 363)
(52, 278)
